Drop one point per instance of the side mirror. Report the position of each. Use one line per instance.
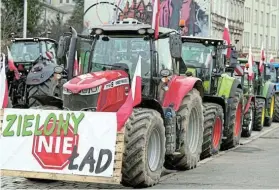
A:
(63, 46)
(175, 45)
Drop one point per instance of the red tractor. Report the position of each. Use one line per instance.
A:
(165, 128)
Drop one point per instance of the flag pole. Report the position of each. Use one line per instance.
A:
(25, 19)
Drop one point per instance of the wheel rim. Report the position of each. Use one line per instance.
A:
(263, 115)
(193, 131)
(238, 120)
(154, 150)
(272, 106)
(217, 132)
(250, 123)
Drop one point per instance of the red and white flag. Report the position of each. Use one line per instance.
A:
(250, 63)
(155, 17)
(11, 64)
(226, 38)
(76, 66)
(238, 70)
(133, 98)
(3, 85)
(272, 60)
(261, 66)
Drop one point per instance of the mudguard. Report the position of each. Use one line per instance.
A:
(49, 101)
(236, 85)
(180, 86)
(269, 89)
(40, 73)
(248, 103)
(227, 86)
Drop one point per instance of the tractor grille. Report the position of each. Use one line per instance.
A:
(77, 102)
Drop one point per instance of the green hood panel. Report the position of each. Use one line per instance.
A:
(225, 85)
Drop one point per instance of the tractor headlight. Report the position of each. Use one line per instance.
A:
(150, 31)
(142, 31)
(90, 91)
(66, 91)
(98, 31)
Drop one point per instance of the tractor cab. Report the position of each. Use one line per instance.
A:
(115, 51)
(28, 51)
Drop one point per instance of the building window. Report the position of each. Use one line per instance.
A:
(272, 42)
(256, 17)
(267, 19)
(247, 14)
(273, 21)
(61, 1)
(268, 2)
(266, 42)
(261, 39)
(67, 1)
(262, 18)
(246, 39)
(274, 3)
(255, 40)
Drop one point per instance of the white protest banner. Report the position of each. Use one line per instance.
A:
(61, 142)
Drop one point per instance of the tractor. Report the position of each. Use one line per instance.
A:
(264, 89)
(223, 94)
(166, 124)
(275, 79)
(36, 64)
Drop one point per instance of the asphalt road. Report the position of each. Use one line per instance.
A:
(253, 165)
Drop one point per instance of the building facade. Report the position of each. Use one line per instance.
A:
(261, 26)
(234, 11)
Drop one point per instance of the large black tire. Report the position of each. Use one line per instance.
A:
(268, 120)
(48, 88)
(259, 114)
(38, 179)
(233, 132)
(248, 121)
(276, 109)
(136, 170)
(191, 110)
(213, 129)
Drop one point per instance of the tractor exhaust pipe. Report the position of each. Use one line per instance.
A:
(71, 55)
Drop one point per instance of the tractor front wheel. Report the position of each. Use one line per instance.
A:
(248, 122)
(259, 114)
(191, 133)
(233, 132)
(213, 129)
(276, 109)
(270, 108)
(144, 153)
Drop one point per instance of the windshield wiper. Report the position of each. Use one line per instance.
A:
(121, 66)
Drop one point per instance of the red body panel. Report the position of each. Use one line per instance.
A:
(179, 87)
(248, 104)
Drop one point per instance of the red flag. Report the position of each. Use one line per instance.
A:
(3, 85)
(272, 60)
(261, 66)
(238, 70)
(76, 66)
(155, 18)
(134, 98)
(226, 38)
(11, 64)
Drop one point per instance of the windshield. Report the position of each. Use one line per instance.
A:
(271, 74)
(25, 51)
(196, 54)
(121, 51)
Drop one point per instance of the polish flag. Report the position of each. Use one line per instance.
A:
(3, 85)
(238, 70)
(133, 98)
(226, 38)
(76, 66)
(261, 66)
(11, 64)
(155, 17)
(80, 66)
(272, 60)
(250, 62)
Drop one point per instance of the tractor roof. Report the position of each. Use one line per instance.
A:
(34, 39)
(128, 27)
(274, 64)
(201, 39)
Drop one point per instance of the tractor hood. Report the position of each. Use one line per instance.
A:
(92, 80)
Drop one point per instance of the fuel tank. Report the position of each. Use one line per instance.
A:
(99, 91)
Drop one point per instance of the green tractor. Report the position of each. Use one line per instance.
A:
(223, 99)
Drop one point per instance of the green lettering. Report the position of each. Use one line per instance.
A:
(37, 132)
(19, 124)
(27, 124)
(77, 121)
(11, 120)
(63, 124)
(50, 117)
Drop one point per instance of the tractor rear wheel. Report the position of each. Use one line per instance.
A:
(276, 109)
(48, 88)
(259, 114)
(144, 153)
(213, 129)
(270, 108)
(191, 133)
(233, 132)
(248, 122)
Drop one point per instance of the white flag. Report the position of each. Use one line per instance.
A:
(2, 81)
